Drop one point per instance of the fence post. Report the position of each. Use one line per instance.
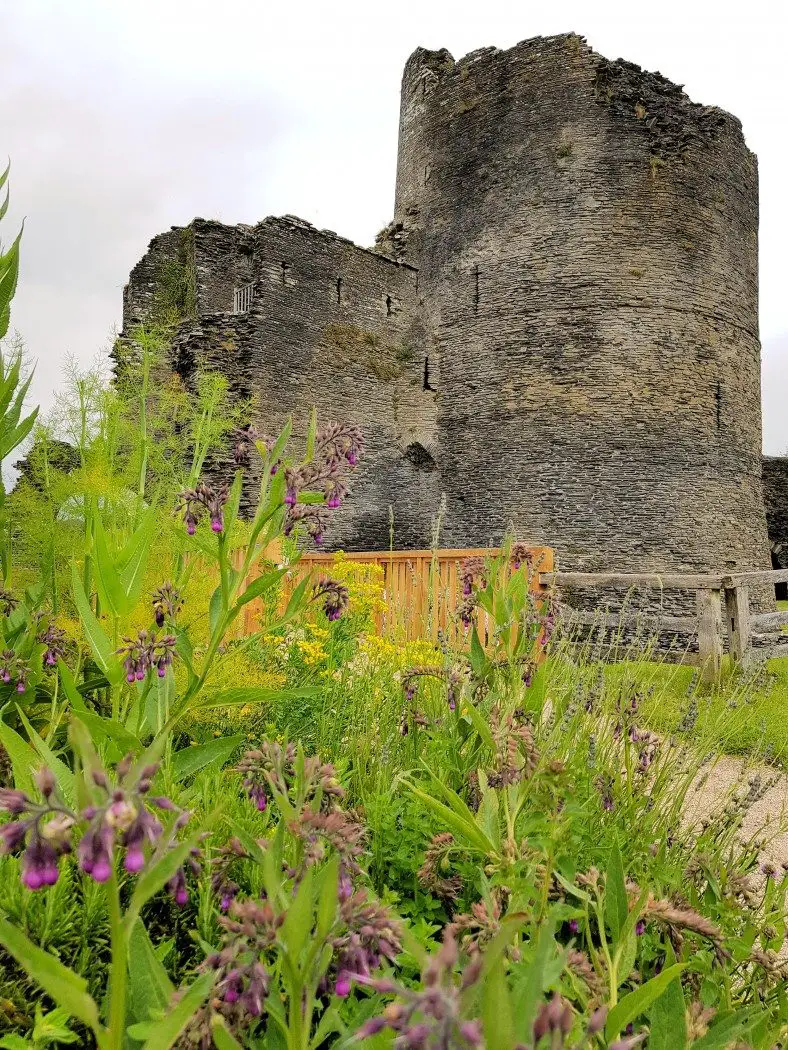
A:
(709, 606)
(737, 612)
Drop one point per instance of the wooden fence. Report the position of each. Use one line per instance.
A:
(422, 590)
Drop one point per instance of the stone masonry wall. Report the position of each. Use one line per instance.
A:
(586, 241)
(775, 491)
(332, 326)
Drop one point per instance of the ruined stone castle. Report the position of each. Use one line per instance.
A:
(557, 331)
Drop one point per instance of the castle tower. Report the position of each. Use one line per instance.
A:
(586, 239)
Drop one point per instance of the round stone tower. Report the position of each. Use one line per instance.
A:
(587, 244)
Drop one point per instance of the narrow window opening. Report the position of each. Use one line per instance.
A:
(427, 375)
(285, 268)
(476, 289)
(388, 306)
(339, 289)
(243, 298)
(780, 589)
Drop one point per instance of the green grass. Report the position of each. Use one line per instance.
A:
(743, 715)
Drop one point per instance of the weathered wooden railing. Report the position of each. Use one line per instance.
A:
(722, 611)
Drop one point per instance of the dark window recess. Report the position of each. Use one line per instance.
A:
(388, 306)
(780, 589)
(285, 268)
(718, 398)
(476, 289)
(339, 289)
(427, 375)
(420, 457)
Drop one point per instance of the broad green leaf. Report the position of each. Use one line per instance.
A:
(616, 904)
(94, 632)
(477, 655)
(297, 927)
(61, 984)
(667, 1017)
(261, 585)
(221, 1037)
(497, 1012)
(168, 1028)
(63, 775)
(529, 993)
(233, 501)
(727, 1028)
(53, 1026)
(15, 1042)
(108, 582)
(24, 759)
(150, 989)
(328, 898)
(192, 759)
(215, 608)
(133, 559)
(296, 599)
(479, 723)
(103, 729)
(15, 438)
(637, 1002)
(468, 830)
(69, 685)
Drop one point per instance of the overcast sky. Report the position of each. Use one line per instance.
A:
(125, 117)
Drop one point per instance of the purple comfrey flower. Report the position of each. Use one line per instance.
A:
(54, 638)
(335, 597)
(145, 652)
(433, 1014)
(13, 669)
(167, 603)
(273, 769)
(245, 438)
(337, 447)
(203, 499)
(574, 926)
(118, 817)
(640, 927)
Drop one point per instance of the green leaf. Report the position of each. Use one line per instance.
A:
(15, 1042)
(108, 583)
(297, 927)
(133, 559)
(328, 899)
(191, 759)
(497, 1012)
(97, 639)
(168, 1028)
(252, 695)
(150, 988)
(667, 1017)
(69, 685)
(63, 775)
(296, 599)
(215, 608)
(728, 1027)
(103, 729)
(529, 993)
(467, 829)
(53, 1026)
(61, 984)
(223, 1040)
(23, 758)
(637, 1002)
(477, 655)
(616, 903)
(261, 585)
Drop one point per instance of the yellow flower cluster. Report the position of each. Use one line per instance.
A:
(383, 651)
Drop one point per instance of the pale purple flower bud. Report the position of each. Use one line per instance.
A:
(342, 987)
(13, 801)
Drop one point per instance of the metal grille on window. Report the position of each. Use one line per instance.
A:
(242, 298)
